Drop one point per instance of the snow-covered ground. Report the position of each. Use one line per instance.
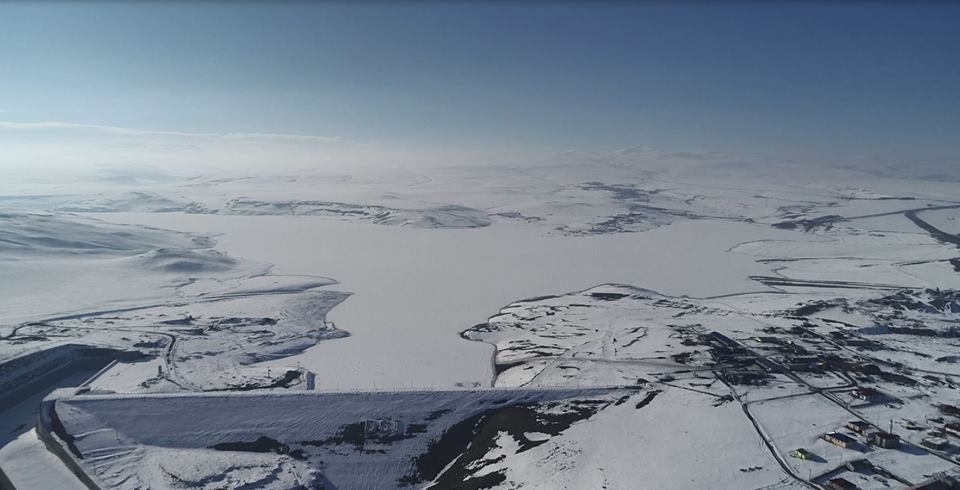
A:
(735, 308)
(28, 464)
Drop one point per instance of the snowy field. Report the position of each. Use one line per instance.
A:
(723, 318)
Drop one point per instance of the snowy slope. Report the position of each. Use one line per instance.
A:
(339, 440)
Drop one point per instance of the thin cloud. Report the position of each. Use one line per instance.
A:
(117, 130)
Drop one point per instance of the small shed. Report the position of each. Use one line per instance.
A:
(801, 453)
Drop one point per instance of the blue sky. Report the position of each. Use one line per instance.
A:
(793, 80)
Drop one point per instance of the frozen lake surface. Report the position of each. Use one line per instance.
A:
(415, 289)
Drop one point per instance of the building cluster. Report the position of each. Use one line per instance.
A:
(769, 355)
(797, 358)
(738, 365)
(741, 365)
(840, 440)
(878, 438)
(938, 439)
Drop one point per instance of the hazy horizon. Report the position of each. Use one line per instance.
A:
(299, 84)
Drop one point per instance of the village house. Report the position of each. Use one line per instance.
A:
(935, 443)
(838, 439)
(866, 393)
(859, 466)
(858, 426)
(885, 440)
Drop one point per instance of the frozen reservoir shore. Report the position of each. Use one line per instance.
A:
(413, 290)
